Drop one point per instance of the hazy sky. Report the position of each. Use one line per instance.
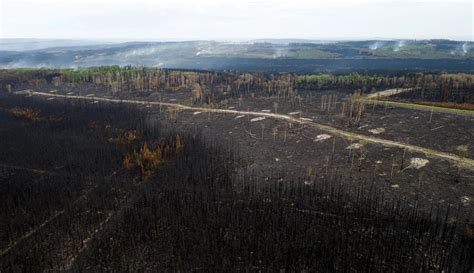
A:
(239, 19)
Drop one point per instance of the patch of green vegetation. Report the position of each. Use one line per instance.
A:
(328, 79)
(311, 53)
(418, 50)
(240, 55)
(417, 106)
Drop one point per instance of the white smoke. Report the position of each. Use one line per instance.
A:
(279, 52)
(203, 51)
(32, 64)
(399, 45)
(465, 48)
(140, 52)
(376, 45)
(462, 49)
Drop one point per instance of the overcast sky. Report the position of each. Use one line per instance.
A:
(238, 19)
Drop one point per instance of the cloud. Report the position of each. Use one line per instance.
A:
(231, 19)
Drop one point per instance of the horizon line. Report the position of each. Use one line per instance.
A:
(328, 39)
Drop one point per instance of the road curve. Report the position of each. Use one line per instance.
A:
(458, 160)
(373, 98)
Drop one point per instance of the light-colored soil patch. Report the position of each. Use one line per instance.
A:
(354, 146)
(377, 131)
(465, 200)
(322, 137)
(257, 119)
(417, 163)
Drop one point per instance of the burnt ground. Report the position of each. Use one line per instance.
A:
(439, 131)
(267, 154)
(445, 132)
(439, 182)
(73, 218)
(54, 196)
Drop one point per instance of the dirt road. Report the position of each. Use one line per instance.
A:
(374, 99)
(458, 160)
(387, 93)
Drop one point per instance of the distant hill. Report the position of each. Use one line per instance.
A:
(259, 55)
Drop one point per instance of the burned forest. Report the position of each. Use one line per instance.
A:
(137, 169)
